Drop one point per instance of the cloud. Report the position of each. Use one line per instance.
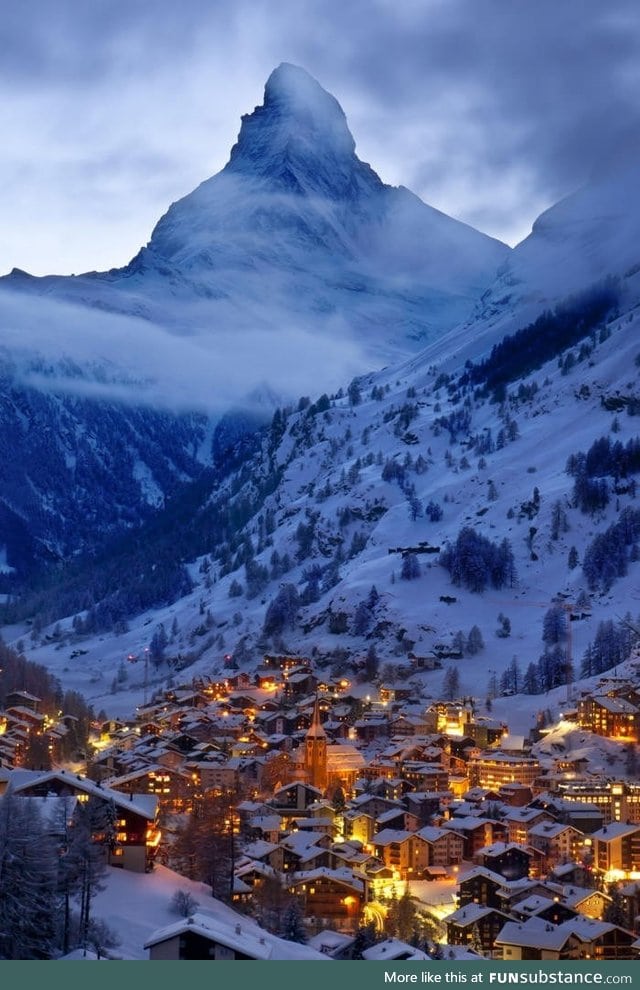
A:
(488, 110)
(106, 356)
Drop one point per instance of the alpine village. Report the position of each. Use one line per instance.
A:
(352, 676)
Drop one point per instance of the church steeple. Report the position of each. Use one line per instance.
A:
(315, 754)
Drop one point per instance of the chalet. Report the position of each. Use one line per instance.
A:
(217, 776)
(515, 795)
(616, 801)
(137, 835)
(299, 683)
(336, 945)
(476, 832)
(558, 842)
(372, 804)
(424, 776)
(369, 729)
(305, 851)
(268, 853)
(333, 898)
(295, 797)
(586, 901)
(398, 818)
(495, 769)
(424, 804)
(475, 926)
(549, 909)
(174, 788)
(520, 820)
(630, 894)
(577, 938)
(483, 886)
(204, 937)
(612, 717)
(506, 858)
(443, 847)
(358, 825)
(22, 699)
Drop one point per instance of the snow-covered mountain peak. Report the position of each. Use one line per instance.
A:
(296, 238)
(298, 118)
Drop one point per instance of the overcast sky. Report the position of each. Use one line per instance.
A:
(490, 110)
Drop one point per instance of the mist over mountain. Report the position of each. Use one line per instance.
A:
(296, 236)
(292, 269)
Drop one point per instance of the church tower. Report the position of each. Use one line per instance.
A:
(315, 754)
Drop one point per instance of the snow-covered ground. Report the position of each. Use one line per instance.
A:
(135, 905)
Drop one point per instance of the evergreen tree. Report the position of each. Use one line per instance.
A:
(460, 642)
(372, 664)
(270, 903)
(366, 936)
(554, 626)
(159, 642)
(451, 684)
(614, 912)
(373, 598)
(410, 567)
(293, 923)
(29, 895)
(282, 611)
(475, 642)
(406, 916)
(205, 847)
(361, 619)
(85, 863)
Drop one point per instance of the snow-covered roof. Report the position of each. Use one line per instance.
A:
(549, 830)
(207, 927)
(342, 875)
(540, 934)
(393, 948)
(389, 835)
(534, 933)
(430, 833)
(259, 849)
(615, 830)
(617, 706)
(330, 942)
(469, 914)
(145, 805)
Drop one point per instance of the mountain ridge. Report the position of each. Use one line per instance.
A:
(295, 227)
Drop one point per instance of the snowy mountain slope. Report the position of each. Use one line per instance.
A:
(589, 235)
(297, 231)
(77, 468)
(295, 254)
(350, 474)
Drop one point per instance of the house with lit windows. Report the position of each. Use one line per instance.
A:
(137, 835)
(612, 717)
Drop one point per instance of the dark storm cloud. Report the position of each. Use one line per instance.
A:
(530, 94)
(488, 109)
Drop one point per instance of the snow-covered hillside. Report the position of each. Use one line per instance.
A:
(354, 481)
(136, 905)
(590, 235)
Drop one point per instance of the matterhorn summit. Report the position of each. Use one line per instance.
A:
(296, 231)
(299, 135)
